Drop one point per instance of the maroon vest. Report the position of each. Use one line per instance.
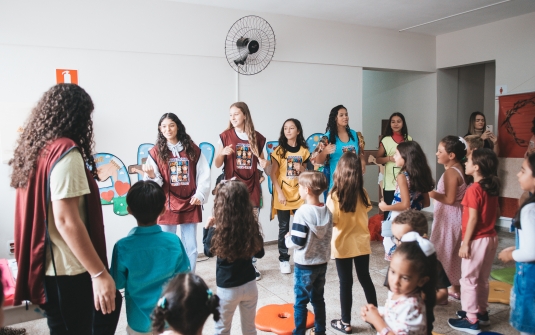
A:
(31, 213)
(179, 176)
(242, 164)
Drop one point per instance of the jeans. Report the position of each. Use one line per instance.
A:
(244, 296)
(344, 267)
(284, 228)
(309, 286)
(188, 236)
(70, 309)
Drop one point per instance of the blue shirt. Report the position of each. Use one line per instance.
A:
(142, 263)
(341, 148)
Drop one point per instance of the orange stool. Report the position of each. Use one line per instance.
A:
(499, 292)
(279, 319)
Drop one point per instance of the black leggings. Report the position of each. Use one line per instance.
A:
(388, 197)
(344, 266)
(70, 308)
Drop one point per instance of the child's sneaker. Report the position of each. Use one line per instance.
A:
(257, 274)
(464, 325)
(482, 318)
(285, 267)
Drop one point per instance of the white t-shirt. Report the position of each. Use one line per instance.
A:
(67, 180)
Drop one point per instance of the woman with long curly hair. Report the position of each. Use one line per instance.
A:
(234, 236)
(289, 159)
(59, 230)
(340, 138)
(176, 164)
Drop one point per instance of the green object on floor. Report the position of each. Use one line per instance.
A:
(506, 275)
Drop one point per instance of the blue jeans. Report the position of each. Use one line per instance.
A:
(188, 236)
(309, 285)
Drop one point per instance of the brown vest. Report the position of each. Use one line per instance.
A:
(242, 164)
(179, 176)
(31, 213)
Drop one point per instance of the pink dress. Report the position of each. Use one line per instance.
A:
(446, 231)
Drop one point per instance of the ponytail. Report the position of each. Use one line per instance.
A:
(487, 161)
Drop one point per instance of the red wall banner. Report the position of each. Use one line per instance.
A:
(515, 119)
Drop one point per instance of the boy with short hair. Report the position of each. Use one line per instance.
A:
(310, 236)
(147, 258)
(474, 142)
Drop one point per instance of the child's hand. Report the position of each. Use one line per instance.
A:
(210, 222)
(329, 149)
(227, 150)
(383, 205)
(282, 198)
(506, 255)
(287, 234)
(370, 314)
(464, 252)
(263, 162)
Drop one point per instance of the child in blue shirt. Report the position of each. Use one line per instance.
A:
(147, 258)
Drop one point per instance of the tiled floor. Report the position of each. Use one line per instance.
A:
(276, 288)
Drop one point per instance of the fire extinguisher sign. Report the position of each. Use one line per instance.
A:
(67, 76)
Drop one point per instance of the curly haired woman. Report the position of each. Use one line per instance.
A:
(176, 164)
(59, 230)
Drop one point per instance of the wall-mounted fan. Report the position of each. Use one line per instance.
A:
(250, 45)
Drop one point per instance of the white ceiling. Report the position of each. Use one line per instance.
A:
(390, 14)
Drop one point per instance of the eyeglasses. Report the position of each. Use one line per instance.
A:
(395, 240)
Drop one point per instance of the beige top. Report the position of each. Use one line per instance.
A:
(67, 180)
(351, 236)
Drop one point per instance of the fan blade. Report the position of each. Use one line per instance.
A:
(241, 60)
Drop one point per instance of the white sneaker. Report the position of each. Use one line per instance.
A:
(285, 267)
(257, 273)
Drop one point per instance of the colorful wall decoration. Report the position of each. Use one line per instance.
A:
(111, 167)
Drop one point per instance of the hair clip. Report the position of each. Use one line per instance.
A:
(162, 303)
(210, 294)
(426, 246)
(463, 142)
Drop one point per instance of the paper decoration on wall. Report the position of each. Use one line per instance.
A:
(270, 146)
(515, 121)
(66, 76)
(208, 151)
(110, 166)
(313, 140)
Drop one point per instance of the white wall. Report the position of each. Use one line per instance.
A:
(139, 59)
(413, 95)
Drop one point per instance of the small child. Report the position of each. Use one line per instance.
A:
(412, 272)
(523, 295)
(480, 240)
(474, 142)
(310, 236)
(147, 258)
(185, 305)
(234, 236)
(412, 220)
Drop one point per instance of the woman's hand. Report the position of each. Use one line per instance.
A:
(506, 255)
(493, 138)
(263, 162)
(104, 293)
(464, 252)
(148, 169)
(195, 201)
(330, 149)
(282, 198)
(227, 150)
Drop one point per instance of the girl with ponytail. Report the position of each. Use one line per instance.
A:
(185, 305)
(446, 231)
(480, 240)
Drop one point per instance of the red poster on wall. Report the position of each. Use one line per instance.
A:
(515, 119)
(66, 76)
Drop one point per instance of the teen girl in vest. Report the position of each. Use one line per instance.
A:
(446, 231)
(523, 295)
(412, 185)
(480, 240)
(59, 230)
(396, 133)
(289, 159)
(341, 139)
(177, 164)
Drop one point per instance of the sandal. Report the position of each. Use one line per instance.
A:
(341, 327)
(454, 295)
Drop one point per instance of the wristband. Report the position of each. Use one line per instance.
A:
(97, 275)
(385, 331)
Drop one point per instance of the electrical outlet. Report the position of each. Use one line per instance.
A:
(11, 247)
